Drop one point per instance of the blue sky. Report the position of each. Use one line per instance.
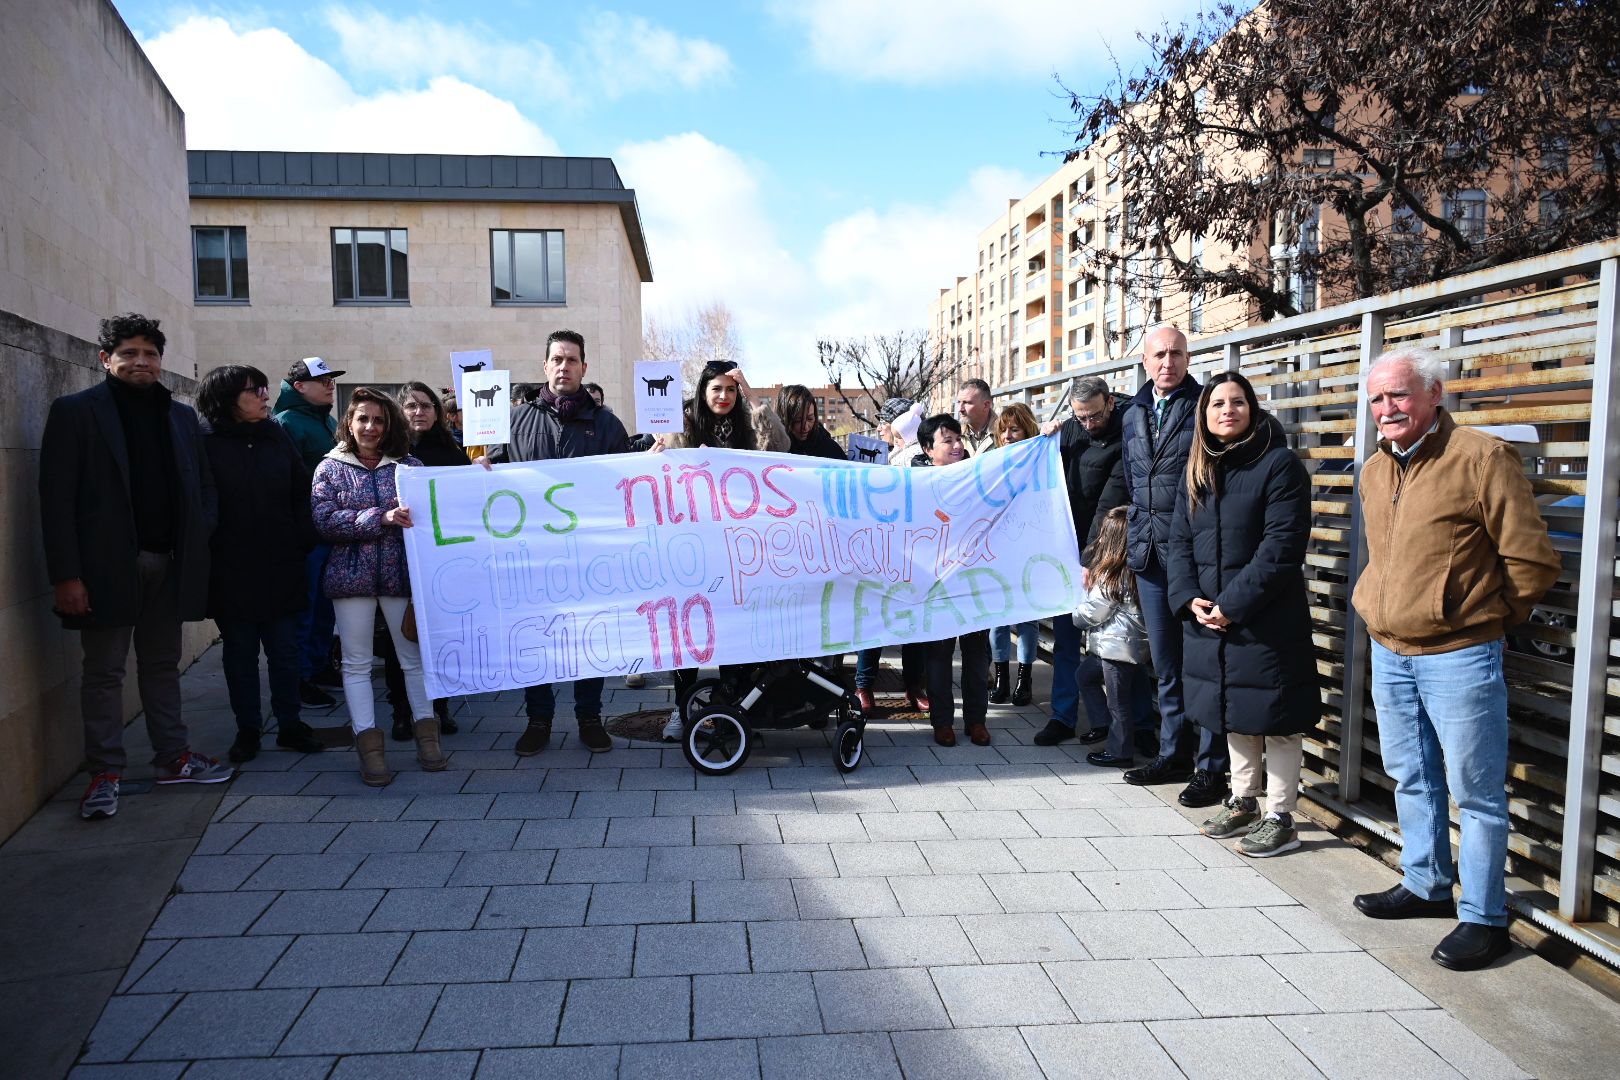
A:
(820, 166)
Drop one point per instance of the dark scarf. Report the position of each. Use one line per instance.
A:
(567, 406)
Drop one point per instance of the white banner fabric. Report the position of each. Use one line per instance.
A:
(551, 571)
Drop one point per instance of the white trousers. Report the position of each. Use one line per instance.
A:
(356, 623)
(1282, 756)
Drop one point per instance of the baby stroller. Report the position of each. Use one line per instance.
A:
(780, 694)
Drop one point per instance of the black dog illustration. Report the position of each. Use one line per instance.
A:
(487, 397)
(866, 453)
(473, 367)
(661, 385)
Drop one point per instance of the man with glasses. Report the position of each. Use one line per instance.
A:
(304, 411)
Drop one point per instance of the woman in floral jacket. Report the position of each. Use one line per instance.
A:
(357, 510)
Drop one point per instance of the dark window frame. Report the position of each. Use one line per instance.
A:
(509, 237)
(391, 299)
(231, 298)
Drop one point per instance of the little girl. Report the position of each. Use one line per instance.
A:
(1117, 643)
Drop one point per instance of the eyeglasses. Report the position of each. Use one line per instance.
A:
(257, 391)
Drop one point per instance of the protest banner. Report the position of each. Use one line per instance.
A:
(486, 410)
(552, 571)
(658, 397)
(469, 360)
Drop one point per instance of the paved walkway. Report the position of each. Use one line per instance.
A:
(1000, 912)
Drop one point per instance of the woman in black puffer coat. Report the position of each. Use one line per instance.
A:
(1237, 548)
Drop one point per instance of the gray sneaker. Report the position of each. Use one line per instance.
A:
(100, 798)
(1237, 815)
(635, 680)
(674, 727)
(195, 768)
(1274, 835)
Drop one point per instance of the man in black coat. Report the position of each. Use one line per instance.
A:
(126, 506)
(1158, 432)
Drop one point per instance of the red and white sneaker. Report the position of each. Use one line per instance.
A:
(195, 768)
(100, 799)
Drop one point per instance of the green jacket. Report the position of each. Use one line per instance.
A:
(312, 428)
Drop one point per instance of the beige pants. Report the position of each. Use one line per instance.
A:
(1282, 756)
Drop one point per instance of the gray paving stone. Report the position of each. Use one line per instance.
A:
(582, 865)
(576, 952)
(503, 868)
(891, 999)
(1148, 821)
(986, 824)
(650, 832)
(190, 915)
(844, 898)
(880, 859)
(695, 803)
(305, 872)
(943, 894)
(318, 912)
(1209, 852)
(226, 1023)
(1347, 982)
(1238, 886)
(1363, 1046)
(1233, 986)
(640, 902)
(1136, 890)
(856, 801)
(218, 873)
(1068, 822)
(920, 798)
(220, 838)
(361, 1020)
(1145, 853)
(959, 775)
(278, 808)
(1083, 796)
(1113, 990)
(788, 861)
(1023, 775)
(847, 1057)
(428, 909)
(910, 825)
(581, 780)
(717, 1060)
(288, 838)
(1103, 1051)
(612, 804)
(1450, 1038)
(458, 956)
(413, 1066)
(559, 1063)
(1127, 935)
(1045, 892)
(149, 953)
(472, 836)
(213, 964)
(754, 1006)
(821, 828)
(1056, 854)
(368, 837)
(1231, 1046)
(775, 802)
(534, 905)
(309, 1068)
(1314, 933)
(1231, 932)
(562, 833)
(124, 1022)
(529, 804)
(405, 870)
(742, 829)
(744, 901)
(967, 857)
(997, 995)
(691, 949)
(474, 1017)
(448, 807)
(657, 779)
(966, 1055)
(707, 863)
(917, 941)
(1030, 938)
(818, 945)
(270, 783)
(152, 1071)
(337, 960)
(622, 1010)
(346, 808)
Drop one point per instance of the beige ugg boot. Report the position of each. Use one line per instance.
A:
(428, 751)
(373, 762)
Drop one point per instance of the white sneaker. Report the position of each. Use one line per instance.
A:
(675, 727)
(635, 680)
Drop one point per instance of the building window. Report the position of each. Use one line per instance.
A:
(526, 266)
(1318, 159)
(1467, 210)
(370, 266)
(219, 263)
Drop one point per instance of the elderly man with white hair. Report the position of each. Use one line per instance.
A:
(1458, 554)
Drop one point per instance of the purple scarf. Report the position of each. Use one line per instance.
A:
(566, 406)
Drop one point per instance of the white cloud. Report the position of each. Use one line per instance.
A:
(614, 56)
(261, 90)
(935, 41)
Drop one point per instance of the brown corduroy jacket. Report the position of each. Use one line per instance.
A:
(1457, 549)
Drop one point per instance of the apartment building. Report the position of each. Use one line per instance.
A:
(383, 264)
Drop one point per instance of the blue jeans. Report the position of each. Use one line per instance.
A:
(317, 623)
(1117, 697)
(1164, 642)
(539, 701)
(1065, 671)
(1442, 726)
(240, 642)
(913, 666)
(1001, 642)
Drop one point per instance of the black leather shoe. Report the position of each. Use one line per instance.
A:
(402, 730)
(1052, 734)
(447, 726)
(1472, 946)
(1107, 760)
(1207, 789)
(1161, 770)
(1398, 902)
(1094, 736)
(245, 748)
(299, 740)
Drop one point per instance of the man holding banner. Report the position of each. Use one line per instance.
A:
(562, 421)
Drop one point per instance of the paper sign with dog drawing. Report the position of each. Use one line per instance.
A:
(486, 407)
(868, 449)
(657, 390)
(471, 360)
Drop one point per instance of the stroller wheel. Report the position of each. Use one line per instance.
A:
(849, 744)
(717, 741)
(701, 695)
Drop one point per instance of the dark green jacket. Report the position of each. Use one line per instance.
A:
(311, 427)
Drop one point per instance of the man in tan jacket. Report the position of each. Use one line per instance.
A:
(1458, 553)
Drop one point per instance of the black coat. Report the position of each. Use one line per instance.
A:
(264, 530)
(1244, 548)
(1094, 468)
(1155, 469)
(438, 447)
(86, 515)
(819, 444)
(540, 434)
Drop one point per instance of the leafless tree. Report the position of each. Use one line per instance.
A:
(703, 334)
(906, 364)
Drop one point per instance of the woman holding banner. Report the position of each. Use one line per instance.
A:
(356, 508)
(1013, 424)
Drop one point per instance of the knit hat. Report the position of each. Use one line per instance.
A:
(891, 409)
